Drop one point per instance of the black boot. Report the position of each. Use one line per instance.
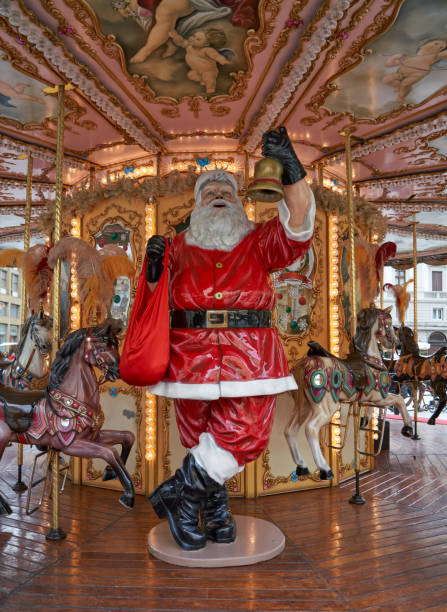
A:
(5, 508)
(217, 519)
(180, 498)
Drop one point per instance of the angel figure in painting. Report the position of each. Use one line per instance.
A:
(413, 69)
(15, 92)
(202, 57)
(186, 17)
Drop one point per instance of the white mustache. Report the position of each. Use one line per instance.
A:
(220, 201)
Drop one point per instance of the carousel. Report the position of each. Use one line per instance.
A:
(111, 113)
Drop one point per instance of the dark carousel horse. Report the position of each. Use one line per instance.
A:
(412, 366)
(67, 416)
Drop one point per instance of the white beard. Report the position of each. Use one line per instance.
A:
(218, 228)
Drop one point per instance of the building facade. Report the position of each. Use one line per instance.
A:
(10, 308)
(431, 303)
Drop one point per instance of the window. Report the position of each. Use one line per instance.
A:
(399, 277)
(15, 284)
(14, 333)
(2, 336)
(438, 313)
(436, 281)
(437, 339)
(3, 309)
(3, 281)
(15, 311)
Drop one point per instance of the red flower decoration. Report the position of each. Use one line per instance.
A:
(294, 23)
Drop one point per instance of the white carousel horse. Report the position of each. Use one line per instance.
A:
(324, 380)
(30, 366)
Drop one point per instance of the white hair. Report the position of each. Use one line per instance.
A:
(218, 228)
(211, 176)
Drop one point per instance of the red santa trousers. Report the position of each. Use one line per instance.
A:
(240, 425)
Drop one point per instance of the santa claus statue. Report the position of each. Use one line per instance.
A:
(227, 364)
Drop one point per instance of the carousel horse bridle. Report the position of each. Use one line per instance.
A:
(19, 371)
(90, 346)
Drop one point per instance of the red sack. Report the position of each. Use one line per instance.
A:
(145, 355)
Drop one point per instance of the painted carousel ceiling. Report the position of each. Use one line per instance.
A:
(189, 80)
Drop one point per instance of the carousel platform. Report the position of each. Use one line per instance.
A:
(388, 555)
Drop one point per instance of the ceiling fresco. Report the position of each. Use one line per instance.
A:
(405, 65)
(181, 48)
(164, 83)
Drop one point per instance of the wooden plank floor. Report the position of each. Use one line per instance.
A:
(388, 555)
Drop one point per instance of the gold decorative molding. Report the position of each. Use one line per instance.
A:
(127, 217)
(175, 215)
(306, 35)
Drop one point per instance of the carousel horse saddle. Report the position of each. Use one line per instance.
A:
(354, 362)
(18, 407)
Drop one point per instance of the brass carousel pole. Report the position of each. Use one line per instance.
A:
(416, 388)
(356, 497)
(56, 533)
(20, 485)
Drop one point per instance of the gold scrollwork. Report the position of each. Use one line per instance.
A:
(175, 215)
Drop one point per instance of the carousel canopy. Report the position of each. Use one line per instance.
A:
(175, 82)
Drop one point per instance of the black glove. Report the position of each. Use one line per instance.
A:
(155, 252)
(276, 144)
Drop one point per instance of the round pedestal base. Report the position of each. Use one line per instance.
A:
(256, 541)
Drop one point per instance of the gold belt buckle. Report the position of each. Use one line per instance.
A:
(216, 318)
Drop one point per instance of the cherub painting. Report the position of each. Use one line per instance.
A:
(411, 69)
(173, 43)
(202, 56)
(21, 97)
(406, 64)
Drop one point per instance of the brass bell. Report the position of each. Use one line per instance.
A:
(266, 185)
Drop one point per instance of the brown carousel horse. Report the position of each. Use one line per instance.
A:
(67, 416)
(324, 380)
(413, 367)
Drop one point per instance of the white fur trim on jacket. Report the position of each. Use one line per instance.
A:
(231, 388)
(306, 230)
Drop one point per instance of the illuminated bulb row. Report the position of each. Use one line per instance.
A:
(375, 421)
(251, 211)
(330, 185)
(336, 431)
(150, 426)
(334, 288)
(151, 401)
(150, 220)
(75, 310)
(219, 164)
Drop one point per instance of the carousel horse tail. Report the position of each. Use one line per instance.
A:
(439, 388)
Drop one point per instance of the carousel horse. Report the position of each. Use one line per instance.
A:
(67, 416)
(324, 381)
(30, 366)
(412, 366)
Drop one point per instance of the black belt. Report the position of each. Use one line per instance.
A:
(211, 319)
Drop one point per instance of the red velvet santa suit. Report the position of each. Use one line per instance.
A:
(228, 378)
